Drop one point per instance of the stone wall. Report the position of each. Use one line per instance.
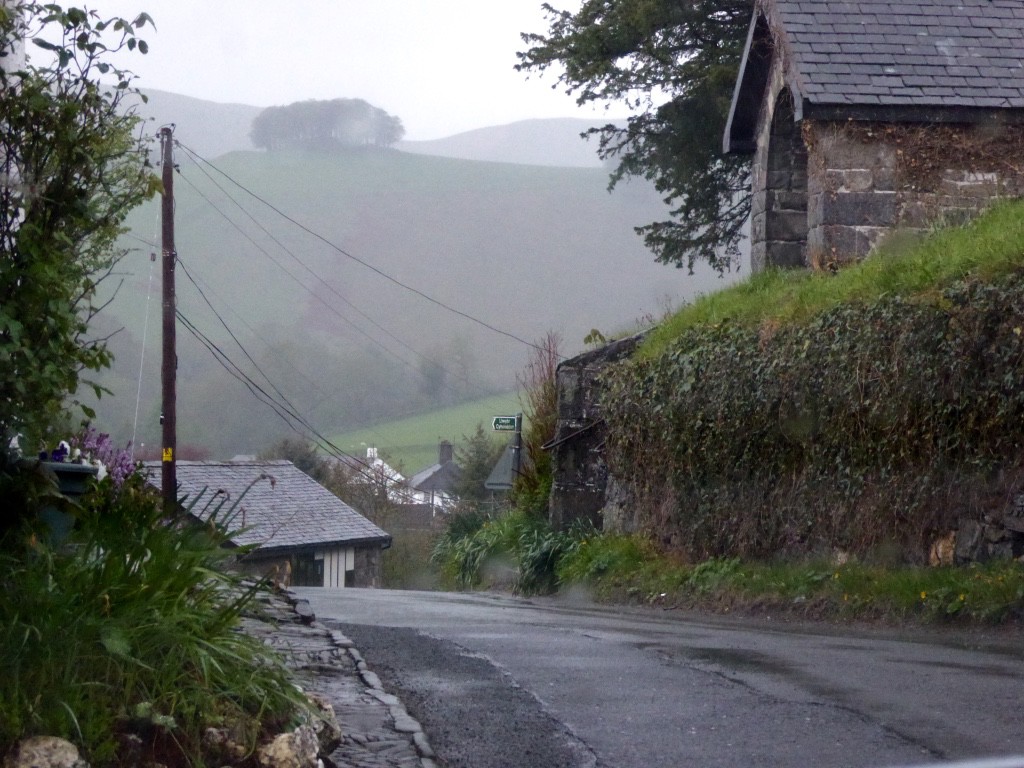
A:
(866, 179)
(778, 217)
(580, 479)
(368, 567)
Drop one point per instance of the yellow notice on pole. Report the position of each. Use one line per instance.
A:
(168, 454)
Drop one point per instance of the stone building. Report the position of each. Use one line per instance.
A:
(867, 115)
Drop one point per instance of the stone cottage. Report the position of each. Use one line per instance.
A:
(300, 534)
(865, 115)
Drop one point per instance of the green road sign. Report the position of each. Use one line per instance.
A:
(504, 424)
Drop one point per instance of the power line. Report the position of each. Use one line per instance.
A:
(285, 411)
(195, 282)
(299, 261)
(459, 376)
(356, 259)
(262, 250)
(233, 336)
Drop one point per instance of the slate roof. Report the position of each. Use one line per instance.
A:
(886, 59)
(283, 509)
(437, 477)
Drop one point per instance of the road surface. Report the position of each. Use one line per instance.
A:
(502, 681)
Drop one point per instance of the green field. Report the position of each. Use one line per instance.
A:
(411, 444)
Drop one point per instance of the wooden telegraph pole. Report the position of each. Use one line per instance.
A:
(168, 477)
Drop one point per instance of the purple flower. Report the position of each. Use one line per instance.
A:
(100, 449)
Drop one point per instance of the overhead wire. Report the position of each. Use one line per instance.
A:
(287, 250)
(460, 376)
(195, 281)
(283, 407)
(457, 376)
(285, 411)
(195, 155)
(142, 358)
(284, 269)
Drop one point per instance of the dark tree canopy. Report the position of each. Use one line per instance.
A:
(674, 62)
(325, 124)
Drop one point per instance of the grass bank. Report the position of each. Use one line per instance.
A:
(617, 568)
(410, 444)
(905, 265)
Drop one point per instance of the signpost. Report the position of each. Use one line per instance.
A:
(504, 424)
(512, 424)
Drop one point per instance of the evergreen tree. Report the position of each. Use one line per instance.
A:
(476, 457)
(675, 62)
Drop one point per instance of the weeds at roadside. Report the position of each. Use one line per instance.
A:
(615, 566)
(124, 638)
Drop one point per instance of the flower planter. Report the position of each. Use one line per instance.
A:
(72, 480)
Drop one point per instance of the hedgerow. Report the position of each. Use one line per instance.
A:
(872, 425)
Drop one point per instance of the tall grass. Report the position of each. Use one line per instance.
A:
(616, 566)
(131, 627)
(517, 550)
(905, 265)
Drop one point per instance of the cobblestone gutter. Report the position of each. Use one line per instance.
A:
(377, 731)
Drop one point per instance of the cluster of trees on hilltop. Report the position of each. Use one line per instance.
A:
(325, 124)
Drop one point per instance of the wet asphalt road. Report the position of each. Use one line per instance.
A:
(502, 681)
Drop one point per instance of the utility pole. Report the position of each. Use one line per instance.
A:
(168, 476)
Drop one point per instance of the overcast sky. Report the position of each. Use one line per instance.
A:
(442, 66)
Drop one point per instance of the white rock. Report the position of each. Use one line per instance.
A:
(45, 752)
(298, 749)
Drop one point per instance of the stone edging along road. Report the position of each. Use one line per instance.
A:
(377, 731)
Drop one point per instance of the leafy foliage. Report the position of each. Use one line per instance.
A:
(538, 393)
(72, 170)
(639, 52)
(517, 549)
(844, 431)
(131, 627)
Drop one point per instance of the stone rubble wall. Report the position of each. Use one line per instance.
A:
(580, 479)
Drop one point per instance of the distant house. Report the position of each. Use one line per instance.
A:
(375, 472)
(435, 485)
(303, 533)
(869, 115)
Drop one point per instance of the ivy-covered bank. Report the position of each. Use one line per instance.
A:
(873, 424)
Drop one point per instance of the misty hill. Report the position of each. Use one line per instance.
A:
(522, 249)
(213, 128)
(529, 142)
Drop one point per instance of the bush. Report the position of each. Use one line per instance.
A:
(519, 549)
(131, 626)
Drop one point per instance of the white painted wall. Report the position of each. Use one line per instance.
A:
(336, 562)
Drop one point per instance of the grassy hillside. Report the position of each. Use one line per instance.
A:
(529, 142)
(213, 128)
(905, 265)
(523, 249)
(411, 443)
